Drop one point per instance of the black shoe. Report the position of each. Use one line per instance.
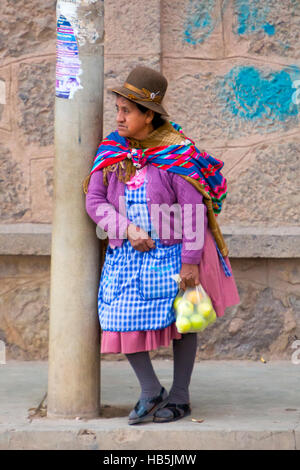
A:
(171, 412)
(146, 407)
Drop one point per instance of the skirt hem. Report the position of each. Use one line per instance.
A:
(116, 342)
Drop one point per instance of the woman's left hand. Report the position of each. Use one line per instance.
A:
(189, 275)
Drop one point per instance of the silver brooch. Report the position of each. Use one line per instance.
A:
(153, 95)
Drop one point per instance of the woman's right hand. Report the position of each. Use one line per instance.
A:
(139, 239)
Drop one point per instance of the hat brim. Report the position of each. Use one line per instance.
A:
(158, 108)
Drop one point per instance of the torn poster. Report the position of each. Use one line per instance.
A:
(67, 60)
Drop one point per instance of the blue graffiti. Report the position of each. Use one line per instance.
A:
(251, 94)
(202, 18)
(269, 29)
(252, 16)
(199, 22)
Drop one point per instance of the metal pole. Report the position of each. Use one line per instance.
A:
(74, 342)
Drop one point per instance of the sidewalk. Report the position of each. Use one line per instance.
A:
(243, 405)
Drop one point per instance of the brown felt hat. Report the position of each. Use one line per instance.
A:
(144, 86)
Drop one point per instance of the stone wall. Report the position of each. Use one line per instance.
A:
(232, 67)
(27, 73)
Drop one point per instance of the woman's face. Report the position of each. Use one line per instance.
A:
(131, 121)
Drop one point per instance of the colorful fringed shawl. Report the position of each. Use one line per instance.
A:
(184, 159)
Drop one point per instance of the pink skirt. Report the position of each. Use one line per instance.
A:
(135, 341)
(221, 289)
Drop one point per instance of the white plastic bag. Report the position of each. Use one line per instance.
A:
(193, 309)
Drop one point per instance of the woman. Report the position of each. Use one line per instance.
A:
(148, 163)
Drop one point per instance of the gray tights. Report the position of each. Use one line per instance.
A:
(184, 353)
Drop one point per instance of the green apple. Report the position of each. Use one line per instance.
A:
(212, 317)
(185, 307)
(177, 301)
(198, 321)
(205, 309)
(183, 324)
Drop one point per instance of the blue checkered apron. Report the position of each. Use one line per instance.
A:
(136, 291)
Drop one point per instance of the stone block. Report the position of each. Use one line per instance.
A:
(41, 189)
(25, 239)
(35, 103)
(269, 29)
(262, 187)
(20, 267)
(261, 242)
(5, 99)
(27, 27)
(284, 276)
(190, 28)
(14, 195)
(262, 324)
(132, 28)
(254, 271)
(24, 307)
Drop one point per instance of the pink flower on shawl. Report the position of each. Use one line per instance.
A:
(138, 179)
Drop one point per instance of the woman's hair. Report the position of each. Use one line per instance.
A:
(157, 120)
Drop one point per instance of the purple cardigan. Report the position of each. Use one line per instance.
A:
(106, 207)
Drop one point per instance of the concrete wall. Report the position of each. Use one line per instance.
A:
(232, 67)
